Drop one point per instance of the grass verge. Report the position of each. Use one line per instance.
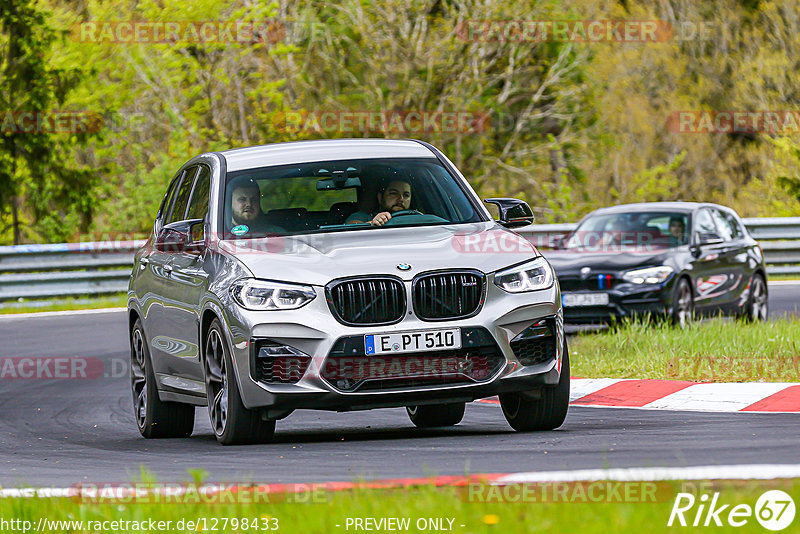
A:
(566, 507)
(71, 303)
(717, 350)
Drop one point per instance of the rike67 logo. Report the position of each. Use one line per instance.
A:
(774, 510)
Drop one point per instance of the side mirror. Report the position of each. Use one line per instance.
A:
(513, 212)
(181, 236)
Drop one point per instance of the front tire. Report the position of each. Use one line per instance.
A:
(544, 413)
(154, 418)
(433, 415)
(233, 424)
(682, 304)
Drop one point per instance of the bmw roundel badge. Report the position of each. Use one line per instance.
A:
(404, 266)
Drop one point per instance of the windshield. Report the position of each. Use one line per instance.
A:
(626, 231)
(327, 196)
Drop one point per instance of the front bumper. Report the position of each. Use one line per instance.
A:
(624, 300)
(313, 331)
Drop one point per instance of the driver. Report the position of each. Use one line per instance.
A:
(393, 198)
(677, 231)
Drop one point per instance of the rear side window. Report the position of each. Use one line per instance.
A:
(182, 199)
(733, 223)
(163, 211)
(198, 205)
(725, 230)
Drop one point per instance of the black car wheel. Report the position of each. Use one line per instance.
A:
(682, 304)
(756, 308)
(544, 413)
(431, 415)
(154, 418)
(232, 423)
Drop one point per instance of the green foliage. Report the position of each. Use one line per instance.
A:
(569, 126)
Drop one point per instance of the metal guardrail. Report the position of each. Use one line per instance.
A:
(95, 268)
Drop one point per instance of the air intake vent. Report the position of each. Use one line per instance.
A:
(367, 301)
(448, 295)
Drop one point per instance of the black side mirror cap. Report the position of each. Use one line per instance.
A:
(513, 212)
(181, 236)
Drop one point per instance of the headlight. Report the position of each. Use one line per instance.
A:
(650, 275)
(260, 295)
(536, 274)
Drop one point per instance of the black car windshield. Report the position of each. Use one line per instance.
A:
(630, 231)
(343, 195)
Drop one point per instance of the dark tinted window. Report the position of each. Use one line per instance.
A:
(731, 224)
(198, 205)
(163, 211)
(182, 198)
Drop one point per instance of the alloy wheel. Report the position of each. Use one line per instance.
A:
(216, 382)
(758, 300)
(139, 378)
(684, 305)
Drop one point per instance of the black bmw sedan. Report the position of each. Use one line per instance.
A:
(668, 259)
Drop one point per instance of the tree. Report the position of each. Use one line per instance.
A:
(37, 179)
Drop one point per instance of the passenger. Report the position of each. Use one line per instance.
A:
(395, 197)
(245, 209)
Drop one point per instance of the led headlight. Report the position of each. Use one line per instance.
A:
(650, 275)
(260, 295)
(531, 276)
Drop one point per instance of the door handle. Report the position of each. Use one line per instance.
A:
(168, 268)
(143, 263)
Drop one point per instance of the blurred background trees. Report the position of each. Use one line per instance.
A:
(570, 126)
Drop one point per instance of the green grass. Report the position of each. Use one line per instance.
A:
(70, 303)
(321, 512)
(717, 350)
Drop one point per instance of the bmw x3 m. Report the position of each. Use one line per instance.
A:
(339, 275)
(663, 259)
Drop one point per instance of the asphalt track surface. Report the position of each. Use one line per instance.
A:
(63, 432)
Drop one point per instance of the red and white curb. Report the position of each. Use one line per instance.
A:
(175, 490)
(762, 397)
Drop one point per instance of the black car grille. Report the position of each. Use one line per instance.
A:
(349, 369)
(534, 351)
(593, 282)
(273, 363)
(449, 295)
(364, 301)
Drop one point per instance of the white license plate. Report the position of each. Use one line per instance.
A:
(423, 341)
(584, 299)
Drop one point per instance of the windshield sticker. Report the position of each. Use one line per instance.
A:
(239, 230)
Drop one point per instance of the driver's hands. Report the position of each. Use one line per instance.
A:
(381, 218)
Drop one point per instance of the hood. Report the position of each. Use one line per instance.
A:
(568, 262)
(319, 258)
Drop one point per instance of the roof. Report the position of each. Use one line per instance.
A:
(322, 150)
(657, 206)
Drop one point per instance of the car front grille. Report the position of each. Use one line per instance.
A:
(448, 295)
(367, 301)
(348, 369)
(277, 364)
(592, 283)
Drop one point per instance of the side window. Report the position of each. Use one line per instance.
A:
(198, 204)
(704, 224)
(725, 230)
(163, 211)
(182, 198)
(735, 226)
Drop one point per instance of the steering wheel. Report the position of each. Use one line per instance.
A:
(405, 212)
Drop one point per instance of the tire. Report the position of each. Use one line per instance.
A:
(154, 418)
(757, 306)
(682, 304)
(233, 424)
(432, 415)
(545, 413)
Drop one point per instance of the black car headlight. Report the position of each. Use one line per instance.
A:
(649, 275)
(531, 276)
(260, 295)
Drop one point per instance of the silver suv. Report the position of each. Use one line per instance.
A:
(339, 275)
